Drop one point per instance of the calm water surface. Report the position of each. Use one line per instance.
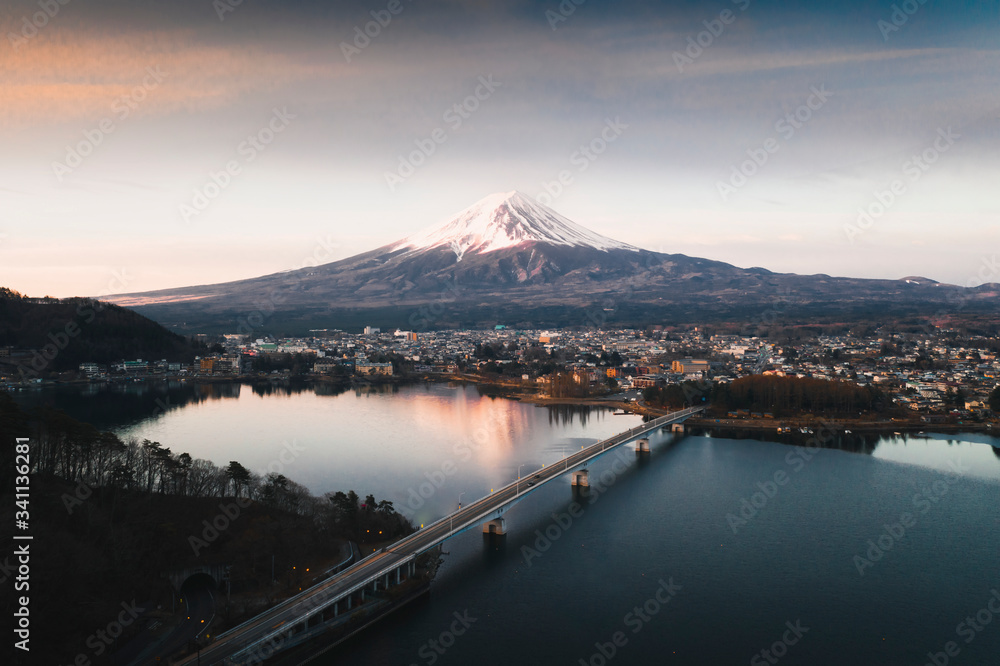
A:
(877, 559)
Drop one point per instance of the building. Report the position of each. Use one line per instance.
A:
(89, 368)
(325, 366)
(229, 363)
(371, 330)
(648, 381)
(687, 366)
(138, 365)
(369, 368)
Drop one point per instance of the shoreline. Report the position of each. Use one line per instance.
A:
(531, 395)
(858, 426)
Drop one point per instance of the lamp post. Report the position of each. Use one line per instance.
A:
(518, 487)
(451, 520)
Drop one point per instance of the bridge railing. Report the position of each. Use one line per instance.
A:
(473, 513)
(616, 439)
(319, 606)
(290, 601)
(604, 444)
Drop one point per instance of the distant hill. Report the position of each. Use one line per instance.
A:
(67, 332)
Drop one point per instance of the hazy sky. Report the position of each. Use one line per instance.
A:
(114, 116)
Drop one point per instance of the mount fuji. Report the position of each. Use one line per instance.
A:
(502, 221)
(510, 259)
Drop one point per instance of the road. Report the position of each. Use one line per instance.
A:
(152, 645)
(292, 611)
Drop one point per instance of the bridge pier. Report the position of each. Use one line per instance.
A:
(498, 526)
(581, 478)
(642, 446)
(677, 427)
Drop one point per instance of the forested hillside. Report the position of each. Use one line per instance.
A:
(74, 330)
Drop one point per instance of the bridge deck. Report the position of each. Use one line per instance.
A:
(274, 622)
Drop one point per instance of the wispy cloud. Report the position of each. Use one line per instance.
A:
(66, 76)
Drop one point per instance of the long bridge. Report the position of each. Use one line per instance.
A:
(301, 617)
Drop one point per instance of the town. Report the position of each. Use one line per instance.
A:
(939, 376)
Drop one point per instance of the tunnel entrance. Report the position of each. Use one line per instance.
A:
(198, 581)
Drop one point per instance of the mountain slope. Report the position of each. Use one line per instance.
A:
(510, 259)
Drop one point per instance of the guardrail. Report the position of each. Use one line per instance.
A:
(473, 511)
(322, 605)
(290, 601)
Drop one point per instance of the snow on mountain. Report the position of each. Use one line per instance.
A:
(503, 220)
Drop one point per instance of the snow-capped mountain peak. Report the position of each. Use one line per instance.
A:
(504, 220)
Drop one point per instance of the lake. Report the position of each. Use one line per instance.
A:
(707, 551)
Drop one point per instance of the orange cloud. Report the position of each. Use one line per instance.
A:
(63, 76)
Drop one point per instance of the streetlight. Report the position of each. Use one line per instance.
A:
(451, 520)
(518, 486)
